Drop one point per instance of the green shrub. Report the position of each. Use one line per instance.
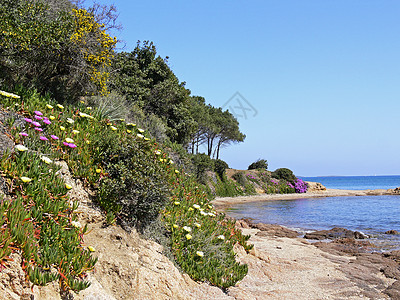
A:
(202, 163)
(240, 178)
(285, 174)
(220, 167)
(135, 186)
(259, 164)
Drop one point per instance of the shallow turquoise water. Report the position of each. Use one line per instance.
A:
(372, 215)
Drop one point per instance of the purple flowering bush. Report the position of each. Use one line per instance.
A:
(300, 186)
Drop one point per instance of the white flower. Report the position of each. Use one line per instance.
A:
(203, 213)
(140, 130)
(211, 214)
(68, 140)
(70, 121)
(75, 131)
(21, 148)
(46, 159)
(196, 206)
(158, 152)
(76, 224)
(187, 228)
(221, 237)
(197, 225)
(10, 95)
(140, 136)
(200, 253)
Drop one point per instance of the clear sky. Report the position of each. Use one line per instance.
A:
(322, 75)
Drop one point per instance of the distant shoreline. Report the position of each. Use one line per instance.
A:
(222, 203)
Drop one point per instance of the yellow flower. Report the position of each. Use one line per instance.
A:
(88, 142)
(75, 131)
(60, 106)
(98, 170)
(62, 128)
(146, 139)
(10, 95)
(197, 225)
(130, 124)
(52, 117)
(68, 186)
(177, 203)
(26, 179)
(91, 249)
(140, 136)
(175, 226)
(196, 206)
(176, 171)
(140, 130)
(128, 131)
(89, 108)
(70, 121)
(49, 106)
(191, 209)
(68, 140)
(188, 236)
(113, 128)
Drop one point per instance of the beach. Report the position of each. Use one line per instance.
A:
(221, 203)
(283, 265)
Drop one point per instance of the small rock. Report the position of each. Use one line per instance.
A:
(392, 232)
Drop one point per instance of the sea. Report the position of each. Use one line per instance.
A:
(371, 215)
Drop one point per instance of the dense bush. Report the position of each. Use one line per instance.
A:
(285, 174)
(240, 178)
(220, 167)
(259, 164)
(202, 163)
(135, 186)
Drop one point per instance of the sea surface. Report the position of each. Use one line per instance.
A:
(372, 215)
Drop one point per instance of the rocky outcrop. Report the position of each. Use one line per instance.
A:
(334, 233)
(314, 186)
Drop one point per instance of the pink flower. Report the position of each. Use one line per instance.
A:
(43, 138)
(38, 113)
(54, 137)
(71, 145)
(47, 121)
(36, 124)
(23, 134)
(65, 144)
(38, 118)
(38, 129)
(28, 120)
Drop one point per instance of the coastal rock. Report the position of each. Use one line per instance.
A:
(270, 229)
(345, 246)
(392, 232)
(334, 233)
(393, 291)
(314, 186)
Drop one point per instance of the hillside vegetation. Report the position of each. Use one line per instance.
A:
(126, 127)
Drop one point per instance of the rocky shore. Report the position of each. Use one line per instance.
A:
(343, 268)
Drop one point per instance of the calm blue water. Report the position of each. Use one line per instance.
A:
(372, 215)
(357, 182)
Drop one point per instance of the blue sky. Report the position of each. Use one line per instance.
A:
(323, 76)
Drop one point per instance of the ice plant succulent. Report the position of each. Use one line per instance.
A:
(26, 179)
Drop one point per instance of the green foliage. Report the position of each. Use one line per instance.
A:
(146, 80)
(135, 186)
(259, 164)
(240, 178)
(220, 167)
(132, 176)
(202, 163)
(226, 187)
(285, 174)
(56, 48)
